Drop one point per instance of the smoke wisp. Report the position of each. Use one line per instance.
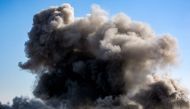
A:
(95, 62)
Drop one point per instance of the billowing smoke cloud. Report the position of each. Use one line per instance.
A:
(95, 62)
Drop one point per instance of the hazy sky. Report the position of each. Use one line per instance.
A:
(164, 16)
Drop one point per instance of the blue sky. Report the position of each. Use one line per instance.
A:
(164, 16)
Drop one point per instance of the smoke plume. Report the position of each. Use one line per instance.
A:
(95, 62)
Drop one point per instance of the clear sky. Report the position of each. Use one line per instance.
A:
(164, 16)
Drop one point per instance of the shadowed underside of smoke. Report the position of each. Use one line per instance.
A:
(95, 62)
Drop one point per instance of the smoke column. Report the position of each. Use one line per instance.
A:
(95, 62)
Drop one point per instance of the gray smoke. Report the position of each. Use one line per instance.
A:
(95, 62)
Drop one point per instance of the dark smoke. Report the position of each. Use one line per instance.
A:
(163, 93)
(98, 63)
